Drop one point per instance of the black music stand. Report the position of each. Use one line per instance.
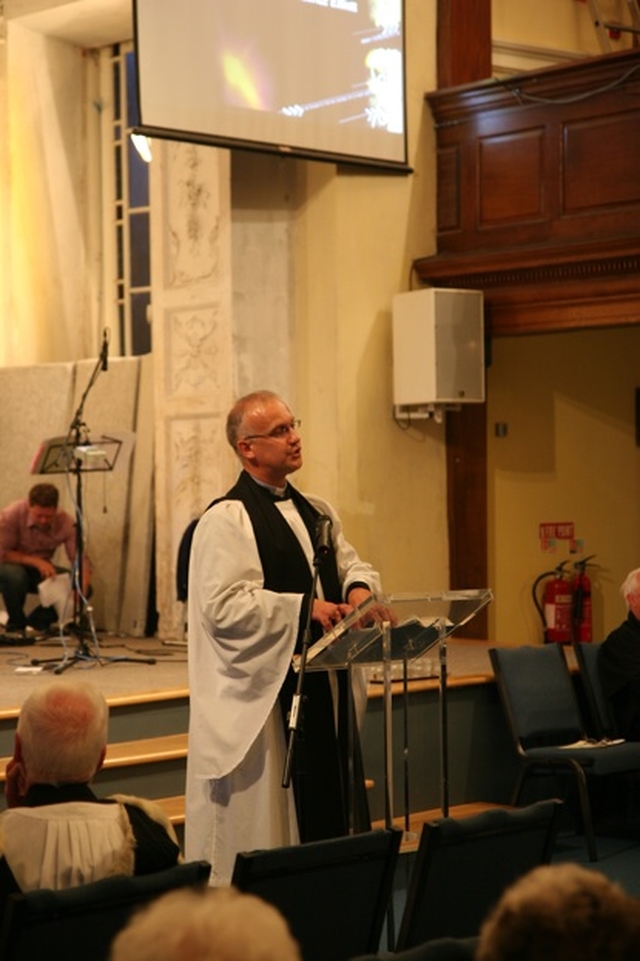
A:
(76, 453)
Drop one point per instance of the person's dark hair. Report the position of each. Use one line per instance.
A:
(44, 495)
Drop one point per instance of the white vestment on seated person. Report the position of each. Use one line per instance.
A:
(241, 641)
(64, 845)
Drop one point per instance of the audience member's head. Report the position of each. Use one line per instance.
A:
(630, 590)
(562, 912)
(214, 924)
(61, 736)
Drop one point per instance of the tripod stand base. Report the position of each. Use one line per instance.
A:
(82, 653)
(80, 656)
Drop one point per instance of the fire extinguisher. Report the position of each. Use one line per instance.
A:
(582, 611)
(556, 611)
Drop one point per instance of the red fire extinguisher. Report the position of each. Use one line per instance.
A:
(582, 611)
(556, 611)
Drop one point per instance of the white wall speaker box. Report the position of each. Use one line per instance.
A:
(438, 347)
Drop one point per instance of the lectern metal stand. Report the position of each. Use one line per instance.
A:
(418, 623)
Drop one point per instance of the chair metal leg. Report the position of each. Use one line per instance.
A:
(585, 807)
(583, 799)
(517, 791)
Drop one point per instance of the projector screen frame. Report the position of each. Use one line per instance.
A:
(361, 161)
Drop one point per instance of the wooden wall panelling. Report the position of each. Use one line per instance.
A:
(539, 195)
(540, 170)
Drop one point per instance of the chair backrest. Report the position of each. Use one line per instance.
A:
(334, 893)
(464, 864)
(441, 949)
(79, 924)
(537, 694)
(602, 719)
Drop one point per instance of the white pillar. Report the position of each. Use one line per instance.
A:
(191, 319)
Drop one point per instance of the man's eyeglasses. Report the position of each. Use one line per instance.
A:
(278, 433)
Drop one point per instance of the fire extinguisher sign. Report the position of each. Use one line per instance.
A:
(553, 531)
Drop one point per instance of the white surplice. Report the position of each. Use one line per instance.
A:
(241, 641)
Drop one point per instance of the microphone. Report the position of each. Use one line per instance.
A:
(323, 535)
(104, 353)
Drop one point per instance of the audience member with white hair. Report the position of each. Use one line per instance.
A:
(213, 924)
(56, 833)
(619, 663)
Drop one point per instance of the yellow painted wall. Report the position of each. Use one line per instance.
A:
(557, 24)
(570, 454)
(357, 235)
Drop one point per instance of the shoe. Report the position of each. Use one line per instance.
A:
(20, 638)
(41, 618)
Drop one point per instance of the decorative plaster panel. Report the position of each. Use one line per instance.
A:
(194, 471)
(192, 217)
(193, 350)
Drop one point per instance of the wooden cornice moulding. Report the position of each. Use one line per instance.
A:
(618, 259)
(548, 289)
(560, 84)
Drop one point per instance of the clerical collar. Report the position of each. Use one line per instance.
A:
(278, 493)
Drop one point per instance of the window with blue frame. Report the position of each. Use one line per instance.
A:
(132, 216)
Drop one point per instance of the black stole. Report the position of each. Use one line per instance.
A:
(320, 759)
(284, 564)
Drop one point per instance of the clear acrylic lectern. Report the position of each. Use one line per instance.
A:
(412, 624)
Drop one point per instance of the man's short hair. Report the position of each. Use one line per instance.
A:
(44, 495)
(241, 408)
(63, 729)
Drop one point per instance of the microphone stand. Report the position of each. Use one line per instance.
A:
(296, 701)
(82, 613)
